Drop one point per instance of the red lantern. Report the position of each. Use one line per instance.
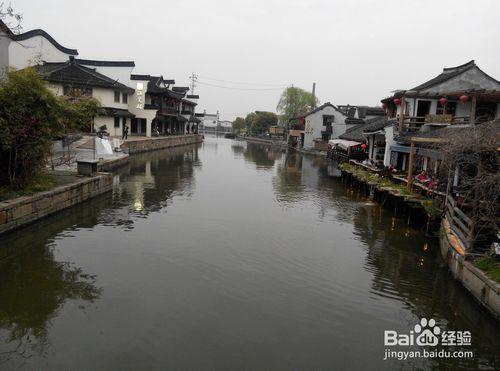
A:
(443, 101)
(384, 106)
(397, 101)
(363, 146)
(463, 98)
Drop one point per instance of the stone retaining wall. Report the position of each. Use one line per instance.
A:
(20, 211)
(484, 289)
(151, 144)
(111, 164)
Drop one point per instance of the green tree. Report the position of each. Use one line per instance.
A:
(258, 122)
(239, 124)
(30, 117)
(294, 102)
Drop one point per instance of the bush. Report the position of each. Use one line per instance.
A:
(490, 266)
(30, 116)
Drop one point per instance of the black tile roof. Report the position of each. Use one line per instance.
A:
(120, 112)
(140, 77)
(357, 133)
(449, 73)
(38, 32)
(192, 96)
(74, 74)
(180, 88)
(90, 62)
(377, 123)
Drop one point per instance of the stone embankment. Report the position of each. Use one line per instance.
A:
(20, 211)
(142, 144)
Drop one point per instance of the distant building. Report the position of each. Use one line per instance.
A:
(225, 126)
(161, 109)
(209, 122)
(318, 126)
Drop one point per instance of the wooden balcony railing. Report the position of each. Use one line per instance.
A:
(414, 123)
(460, 224)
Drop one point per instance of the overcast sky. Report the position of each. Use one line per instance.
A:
(355, 51)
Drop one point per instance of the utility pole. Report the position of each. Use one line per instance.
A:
(193, 79)
(314, 94)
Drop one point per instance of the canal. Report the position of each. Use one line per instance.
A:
(227, 256)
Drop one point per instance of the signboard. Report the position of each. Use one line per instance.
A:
(139, 91)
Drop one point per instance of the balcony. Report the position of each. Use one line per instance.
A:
(413, 124)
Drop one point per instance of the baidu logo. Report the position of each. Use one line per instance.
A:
(427, 333)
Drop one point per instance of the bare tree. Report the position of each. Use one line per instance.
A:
(11, 18)
(471, 158)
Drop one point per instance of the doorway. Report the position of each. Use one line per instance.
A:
(423, 109)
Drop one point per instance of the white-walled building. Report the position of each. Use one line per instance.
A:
(160, 109)
(70, 77)
(319, 125)
(462, 95)
(30, 48)
(209, 122)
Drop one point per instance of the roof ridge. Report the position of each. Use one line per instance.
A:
(468, 64)
(95, 62)
(39, 32)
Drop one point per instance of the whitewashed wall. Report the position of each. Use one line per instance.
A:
(149, 115)
(314, 125)
(121, 74)
(32, 51)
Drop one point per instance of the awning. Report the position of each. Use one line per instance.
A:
(425, 152)
(345, 144)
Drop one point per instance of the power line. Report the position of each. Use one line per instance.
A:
(236, 88)
(243, 83)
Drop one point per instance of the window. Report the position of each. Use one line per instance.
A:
(124, 98)
(328, 119)
(117, 97)
(117, 122)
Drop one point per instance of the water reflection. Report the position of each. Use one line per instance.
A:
(150, 182)
(256, 260)
(34, 286)
(404, 265)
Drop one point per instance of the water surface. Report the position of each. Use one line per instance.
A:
(226, 256)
